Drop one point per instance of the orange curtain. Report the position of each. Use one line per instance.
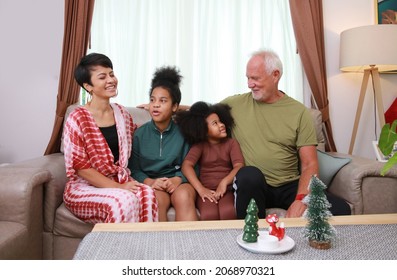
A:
(78, 17)
(307, 20)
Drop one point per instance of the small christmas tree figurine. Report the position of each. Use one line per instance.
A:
(251, 223)
(319, 232)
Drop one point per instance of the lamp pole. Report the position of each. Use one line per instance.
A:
(373, 72)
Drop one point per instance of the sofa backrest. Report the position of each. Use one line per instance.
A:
(141, 116)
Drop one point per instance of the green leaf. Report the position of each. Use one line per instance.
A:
(387, 138)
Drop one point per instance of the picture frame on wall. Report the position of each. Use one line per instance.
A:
(385, 11)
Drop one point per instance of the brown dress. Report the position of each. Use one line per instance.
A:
(215, 162)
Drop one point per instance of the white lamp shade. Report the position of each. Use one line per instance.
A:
(366, 46)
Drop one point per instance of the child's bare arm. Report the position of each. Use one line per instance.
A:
(190, 174)
(230, 177)
(221, 189)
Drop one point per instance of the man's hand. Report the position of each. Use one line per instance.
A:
(296, 209)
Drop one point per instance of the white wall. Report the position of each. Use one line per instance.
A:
(30, 54)
(344, 88)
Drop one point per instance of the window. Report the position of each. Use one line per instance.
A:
(209, 41)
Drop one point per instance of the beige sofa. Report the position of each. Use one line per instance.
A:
(21, 212)
(358, 182)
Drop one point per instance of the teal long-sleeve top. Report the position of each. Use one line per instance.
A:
(157, 154)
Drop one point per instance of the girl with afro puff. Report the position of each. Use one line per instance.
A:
(207, 128)
(159, 149)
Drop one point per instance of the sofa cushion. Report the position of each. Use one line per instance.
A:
(67, 224)
(281, 213)
(329, 165)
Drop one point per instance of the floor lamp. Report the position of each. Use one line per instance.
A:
(370, 49)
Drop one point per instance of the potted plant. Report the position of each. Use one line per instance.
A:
(387, 141)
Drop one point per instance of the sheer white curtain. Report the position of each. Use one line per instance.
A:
(208, 40)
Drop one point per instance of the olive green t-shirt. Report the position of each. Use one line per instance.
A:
(270, 135)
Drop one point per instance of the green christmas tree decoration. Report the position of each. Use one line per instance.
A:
(251, 223)
(318, 230)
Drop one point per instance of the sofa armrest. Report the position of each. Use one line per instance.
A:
(20, 190)
(53, 189)
(21, 202)
(350, 180)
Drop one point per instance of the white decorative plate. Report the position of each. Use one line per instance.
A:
(286, 244)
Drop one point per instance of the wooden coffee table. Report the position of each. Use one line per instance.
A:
(235, 224)
(359, 237)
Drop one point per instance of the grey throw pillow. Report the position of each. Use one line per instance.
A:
(329, 165)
